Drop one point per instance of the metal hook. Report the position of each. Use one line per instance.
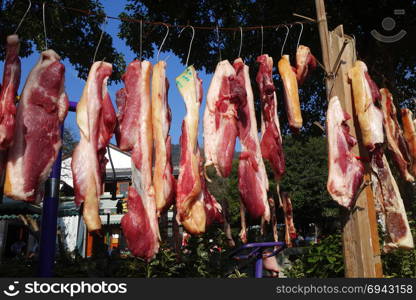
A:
(219, 45)
(99, 41)
(163, 41)
(24, 16)
(300, 34)
(287, 34)
(141, 37)
(261, 52)
(190, 44)
(44, 25)
(241, 41)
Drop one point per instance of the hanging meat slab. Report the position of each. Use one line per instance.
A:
(96, 120)
(252, 178)
(9, 87)
(139, 224)
(290, 231)
(291, 94)
(271, 137)
(410, 136)
(305, 63)
(220, 119)
(366, 94)
(388, 197)
(346, 172)
(37, 136)
(163, 180)
(191, 202)
(395, 140)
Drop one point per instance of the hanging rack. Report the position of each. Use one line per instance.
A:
(99, 42)
(190, 44)
(219, 44)
(141, 40)
(24, 16)
(261, 51)
(44, 25)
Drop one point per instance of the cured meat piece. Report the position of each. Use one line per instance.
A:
(290, 231)
(11, 81)
(346, 172)
(291, 94)
(252, 178)
(37, 136)
(395, 140)
(270, 264)
(365, 94)
(163, 180)
(243, 231)
(271, 138)
(220, 120)
(410, 136)
(194, 205)
(140, 224)
(96, 120)
(388, 197)
(305, 63)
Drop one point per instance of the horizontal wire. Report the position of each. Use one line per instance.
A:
(132, 20)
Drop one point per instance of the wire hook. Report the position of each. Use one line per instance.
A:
(44, 25)
(287, 34)
(99, 41)
(141, 39)
(219, 45)
(190, 44)
(241, 41)
(163, 41)
(261, 52)
(300, 34)
(24, 16)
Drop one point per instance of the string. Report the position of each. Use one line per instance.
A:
(141, 37)
(300, 35)
(163, 42)
(190, 44)
(241, 42)
(261, 52)
(133, 20)
(219, 44)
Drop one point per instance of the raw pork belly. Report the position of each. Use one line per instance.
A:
(271, 138)
(305, 63)
(195, 206)
(220, 120)
(37, 137)
(290, 231)
(345, 170)
(252, 178)
(140, 225)
(96, 120)
(163, 180)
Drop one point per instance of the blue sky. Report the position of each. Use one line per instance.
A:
(75, 85)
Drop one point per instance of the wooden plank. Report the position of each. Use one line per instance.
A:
(360, 237)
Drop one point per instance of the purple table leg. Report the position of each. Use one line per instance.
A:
(259, 267)
(49, 219)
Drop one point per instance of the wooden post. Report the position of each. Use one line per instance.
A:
(361, 247)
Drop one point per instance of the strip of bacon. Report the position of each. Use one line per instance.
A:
(193, 207)
(291, 94)
(37, 137)
(96, 120)
(11, 81)
(395, 140)
(410, 136)
(140, 224)
(220, 120)
(305, 63)
(252, 178)
(290, 231)
(365, 94)
(271, 138)
(163, 180)
(346, 172)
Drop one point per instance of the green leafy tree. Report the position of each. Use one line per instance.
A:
(74, 36)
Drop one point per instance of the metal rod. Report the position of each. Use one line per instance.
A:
(259, 267)
(50, 218)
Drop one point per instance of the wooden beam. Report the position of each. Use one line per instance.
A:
(361, 247)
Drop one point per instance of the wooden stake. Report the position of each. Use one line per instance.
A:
(361, 246)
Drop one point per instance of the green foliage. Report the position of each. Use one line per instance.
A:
(72, 35)
(322, 260)
(68, 143)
